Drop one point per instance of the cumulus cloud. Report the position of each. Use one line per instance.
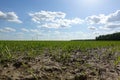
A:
(110, 18)
(106, 22)
(9, 16)
(51, 25)
(38, 17)
(2, 15)
(93, 19)
(114, 17)
(62, 23)
(68, 22)
(50, 19)
(7, 29)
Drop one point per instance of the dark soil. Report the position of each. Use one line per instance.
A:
(92, 64)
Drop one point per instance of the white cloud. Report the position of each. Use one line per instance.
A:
(7, 29)
(77, 21)
(106, 22)
(102, 19)
(2, 15)
(114, 17)
(50, 19)
(62, 23)
(68, 22)
(93, 19)
(38, 17)
(51, 25)
(9, 16)
(25, 30)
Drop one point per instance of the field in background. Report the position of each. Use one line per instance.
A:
(33, 48)
(39, 47)
(86, 59)
(67, 46)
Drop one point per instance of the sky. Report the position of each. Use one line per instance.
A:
(58, 19)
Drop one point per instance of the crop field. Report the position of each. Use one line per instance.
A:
(59, 60)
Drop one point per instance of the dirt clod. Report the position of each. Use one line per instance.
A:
(17, 64)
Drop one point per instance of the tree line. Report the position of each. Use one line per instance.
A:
(114, 36)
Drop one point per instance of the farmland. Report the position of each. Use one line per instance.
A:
(59, 60)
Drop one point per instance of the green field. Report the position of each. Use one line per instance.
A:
(10, 50)
(39, 47)
(64, 53)
(33, 48)
(68, 46)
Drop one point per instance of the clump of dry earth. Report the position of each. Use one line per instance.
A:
(91, 64)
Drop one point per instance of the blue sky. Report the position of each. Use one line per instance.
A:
(58, 19)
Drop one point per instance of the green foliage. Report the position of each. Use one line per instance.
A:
(6, 54)
(114, 36)
(117, 60)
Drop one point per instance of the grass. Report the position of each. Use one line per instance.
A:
(61, 48)
(117, 60)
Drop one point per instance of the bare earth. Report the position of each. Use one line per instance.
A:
(93, 64)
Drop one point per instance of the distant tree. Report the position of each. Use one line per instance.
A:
(114, 36)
